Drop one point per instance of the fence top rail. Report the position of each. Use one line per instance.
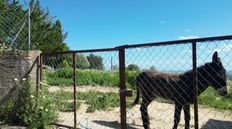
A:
(78, 51)
(186, 41)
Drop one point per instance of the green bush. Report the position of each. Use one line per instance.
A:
(31, 110)
(101, 101)
(95, 100)
(64, 77)
(13, 110)
(64, 101)
(130, 78)
(65, 106)
(40, 110)
(210, 98)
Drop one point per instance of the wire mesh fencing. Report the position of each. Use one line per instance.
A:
(58, 81)
(13, 27)
(96, 88)
(164, 77)
(214, 107)
(182, 84)
(172, 59)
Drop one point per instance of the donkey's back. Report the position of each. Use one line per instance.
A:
(157, 84)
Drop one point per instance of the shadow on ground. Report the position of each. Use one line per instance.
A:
(112, 124)
(217, 124)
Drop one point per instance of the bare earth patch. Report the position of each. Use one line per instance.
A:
(85, 88)
(161, 115)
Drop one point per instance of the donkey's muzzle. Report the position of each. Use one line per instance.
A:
(222, 91)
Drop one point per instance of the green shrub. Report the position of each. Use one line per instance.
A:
(13, 110)
(102, 101)
(130, 78)
(40, 110)
(59, 81)
(64, 77)
(65, 106)
(95, 100)
(32, 110)
(64, 101)
(210, 98)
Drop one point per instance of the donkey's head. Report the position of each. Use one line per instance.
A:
(217, 75)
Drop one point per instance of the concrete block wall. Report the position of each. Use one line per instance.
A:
(16, 66)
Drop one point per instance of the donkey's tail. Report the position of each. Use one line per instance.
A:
(136, 101)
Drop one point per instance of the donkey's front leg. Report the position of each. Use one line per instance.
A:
(187, 115)
(178, 108)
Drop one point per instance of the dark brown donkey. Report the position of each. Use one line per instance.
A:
(179, 88)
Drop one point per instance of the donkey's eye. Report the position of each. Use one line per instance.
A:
(221, 74)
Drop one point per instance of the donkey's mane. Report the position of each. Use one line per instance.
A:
(155, 74)
(200, 69)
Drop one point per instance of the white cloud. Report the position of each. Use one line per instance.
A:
(188, 37)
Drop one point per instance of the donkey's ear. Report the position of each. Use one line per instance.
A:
(215, 57)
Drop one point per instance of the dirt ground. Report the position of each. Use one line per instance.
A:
(84, 89)
(161, 115)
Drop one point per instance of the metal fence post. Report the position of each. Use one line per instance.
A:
(122, 87)
(195, 87)
(74, 90)
(38, 67)
(41, 71)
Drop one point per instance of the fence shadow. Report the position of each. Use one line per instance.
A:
(215, 124)
(111, 124)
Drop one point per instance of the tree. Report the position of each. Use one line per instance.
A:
(114, 67)
(152, 68)
(133, 67)
(95, 62)
(81, 61)
(11, 15)
(46, 33)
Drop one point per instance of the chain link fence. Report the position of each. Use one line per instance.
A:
(165, 59)
(58, 76)
(169, 66)
(164, 67)
(14, 27)
(95, 91)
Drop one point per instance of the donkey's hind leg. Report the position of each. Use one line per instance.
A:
(144, 112)
(178, 108)
(187, 115)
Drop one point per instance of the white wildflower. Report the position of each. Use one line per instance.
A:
(46, 110)
(24, 79)
(16, 79)
(218, 98)
(41, 108)
(32, 96)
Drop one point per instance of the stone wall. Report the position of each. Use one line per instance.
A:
(16, 66)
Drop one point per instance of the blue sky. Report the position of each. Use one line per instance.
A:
(110, 23)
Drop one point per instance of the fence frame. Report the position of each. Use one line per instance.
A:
(121, 51)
